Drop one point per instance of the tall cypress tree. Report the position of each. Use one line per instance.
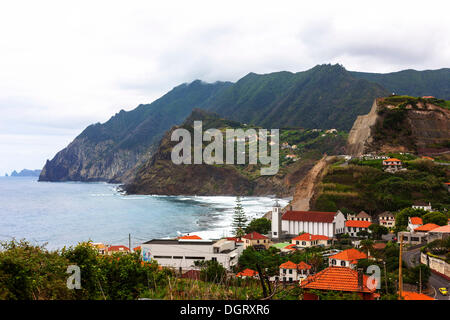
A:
(239, 219)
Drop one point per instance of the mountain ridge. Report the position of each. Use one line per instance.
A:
(325, 96)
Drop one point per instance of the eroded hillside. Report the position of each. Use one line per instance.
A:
(402, 124)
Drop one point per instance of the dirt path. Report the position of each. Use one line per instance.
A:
(305, 188)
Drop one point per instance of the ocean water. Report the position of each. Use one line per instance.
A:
(65, 213)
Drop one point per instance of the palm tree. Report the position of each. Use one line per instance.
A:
(366, 246)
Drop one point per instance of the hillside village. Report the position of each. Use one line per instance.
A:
(322, 254)
(397, 223)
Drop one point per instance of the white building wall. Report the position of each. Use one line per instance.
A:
(176, 256)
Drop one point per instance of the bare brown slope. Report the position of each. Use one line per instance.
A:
(414, 125)
(305, 189)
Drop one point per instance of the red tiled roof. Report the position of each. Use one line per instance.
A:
(247, 273)
(254, 236)
(416, 220)
(408, 295)
(338, 279)
(444, 229)
(391, 159)
(234, 239)
(349, 255)
(288, 265)
(427, 227)
(310, 237)
(313, 216)
(118, 248)
(291, 265)
(358, 223)
(291, 247)
(137, 248)
(303, 266)
(193, 237)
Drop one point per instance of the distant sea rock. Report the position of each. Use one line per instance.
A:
(25, 173)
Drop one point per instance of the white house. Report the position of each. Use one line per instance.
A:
(414, 222)
(248, 273)
(182, 253)
(392, 165)
(422, 205)
(292, 272)
(347, 258)
(307, 240)
(291, 223)
(386, 219)
(352, 227)
(362, 216)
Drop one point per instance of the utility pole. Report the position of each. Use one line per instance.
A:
(400, 275)
(129, 241)
(420, 279)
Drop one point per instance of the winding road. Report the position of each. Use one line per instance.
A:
(412, 258)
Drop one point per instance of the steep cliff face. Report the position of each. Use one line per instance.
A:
(402, 124)
(360, 133)
(113, 151)
(84, 160)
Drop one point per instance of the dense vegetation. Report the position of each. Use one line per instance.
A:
(363, 185)
(299, 150)
(326, 96)
(412, 82)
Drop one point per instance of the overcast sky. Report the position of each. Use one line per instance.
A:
(67, 64)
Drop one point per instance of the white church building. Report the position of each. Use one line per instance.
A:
(291, 223)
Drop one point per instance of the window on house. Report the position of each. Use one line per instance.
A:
(214, 258)
(333, 261)
(290, 271)
(343, 263)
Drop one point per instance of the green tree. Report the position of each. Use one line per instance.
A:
(260, 225)
(29, 272)
(366, 246)
(401, 218)
(418, 273)
(87, 258)
(212, 271)
(435, 217)
(239, 219)
(378, 230)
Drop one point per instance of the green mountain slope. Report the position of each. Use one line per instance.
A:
(326, 96)
(302, 149)
(411, 82)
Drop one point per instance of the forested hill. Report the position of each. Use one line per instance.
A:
(412, 83)
(324, 97)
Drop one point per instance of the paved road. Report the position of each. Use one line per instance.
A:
(412, 258)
